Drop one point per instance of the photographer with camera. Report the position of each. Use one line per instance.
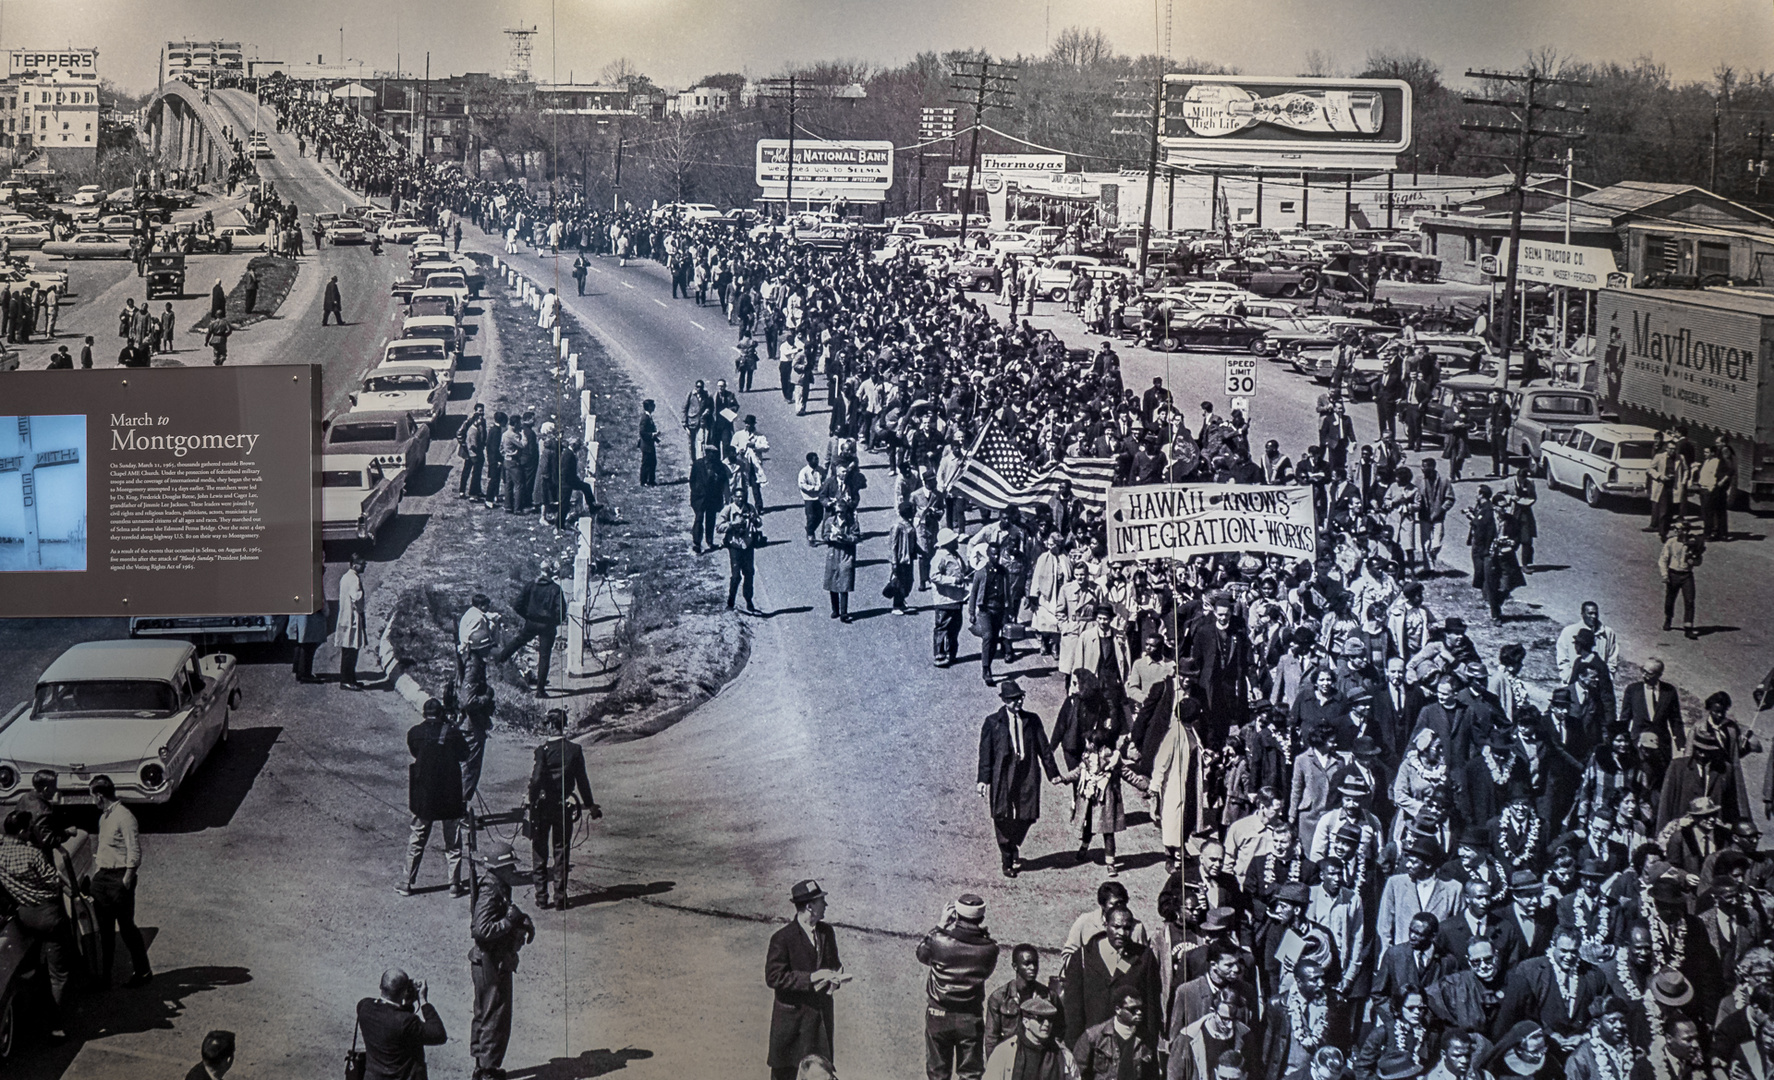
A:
(1676, 563)
(557, 776)
(396, 1028)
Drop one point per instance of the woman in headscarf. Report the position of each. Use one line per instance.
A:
(1521, 1055)
(1423, 771)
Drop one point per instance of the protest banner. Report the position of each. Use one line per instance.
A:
(1175, 521)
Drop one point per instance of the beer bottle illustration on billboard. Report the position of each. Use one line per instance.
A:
(1213, 109)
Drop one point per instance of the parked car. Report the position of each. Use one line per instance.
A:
(358, 497)
(1222, 333)
(442, 327)
(432, 352)
(390, 438)
(241, 238)
(88, 195)
(32, 234)
(975, 273)
(144, 713)
(118, 224)
(428, 295)
(90, 246)
(410, 388)
(1471, 392)
(1600, 460)
(436, 304)
(402, 231)
(1544, 412)
(1054, 281)
(346, 231)
(452, 281)
(43, 279)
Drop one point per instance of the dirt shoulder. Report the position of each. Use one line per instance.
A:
(673, 645)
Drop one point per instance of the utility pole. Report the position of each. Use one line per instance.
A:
(1157, 129)
(425, 115)
(1526, 134)
(1713, 183)
(934, 125)
(1759, 167)
(789, 90)
(616, 194)
(990, 84)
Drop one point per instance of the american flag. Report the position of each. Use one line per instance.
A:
(997, 474)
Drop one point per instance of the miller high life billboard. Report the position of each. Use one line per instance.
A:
(858, 170)
(1286, 122)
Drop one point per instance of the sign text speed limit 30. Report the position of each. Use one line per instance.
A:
(1241, 375)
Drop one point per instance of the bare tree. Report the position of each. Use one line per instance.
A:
(672, 157)
(621, 72)
(1080, 48)
(1320, 64)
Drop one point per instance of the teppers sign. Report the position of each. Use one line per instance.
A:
(1176, 521)
(78, 61)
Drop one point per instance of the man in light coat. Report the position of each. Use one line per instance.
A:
(1177, 781)
(351, 632)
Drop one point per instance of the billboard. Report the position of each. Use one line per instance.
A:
(1176, 521)
(1291, 122)
(1558, 264)
(858, 170)
(78, 61)
(160, 491)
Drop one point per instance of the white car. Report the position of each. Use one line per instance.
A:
(447, 296)
(444, 328)
(31, 235)
(1054, 281)
(143, 713)
(431, 352)
(1217, 295)
(88, 195)
(452, 281)
(402, 231)
(357, 497)
(1600, 460)
(243, 238)
(414, 389)
(43, 279)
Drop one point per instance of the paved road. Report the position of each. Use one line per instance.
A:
(839, 753)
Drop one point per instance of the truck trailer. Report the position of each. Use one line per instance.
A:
(1703, 358)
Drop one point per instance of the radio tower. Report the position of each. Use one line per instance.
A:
(522, 43)
(1170, 10)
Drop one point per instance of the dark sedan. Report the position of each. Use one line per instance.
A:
(1222, 333)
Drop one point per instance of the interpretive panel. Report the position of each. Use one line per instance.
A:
(160, 491)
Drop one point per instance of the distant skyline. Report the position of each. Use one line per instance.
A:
(677, 41)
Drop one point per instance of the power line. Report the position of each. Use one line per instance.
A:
(992, 86)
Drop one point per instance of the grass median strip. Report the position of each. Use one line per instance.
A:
(675, 645)
(277, 276)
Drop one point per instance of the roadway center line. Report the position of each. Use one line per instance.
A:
(697, 325)
(595, 268)
(628, 284)
(658, 301)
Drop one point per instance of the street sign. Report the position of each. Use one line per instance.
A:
(1241, 376)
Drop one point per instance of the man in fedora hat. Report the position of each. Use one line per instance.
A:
(949, 576)
(803, 968)
(1708, 771)
(1013, 752)
(961, 955)
(1353, 790)
(500, 929)
(1034, 1052)
(1179, 784)
(1690, 840)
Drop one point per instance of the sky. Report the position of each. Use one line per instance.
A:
(677, 41)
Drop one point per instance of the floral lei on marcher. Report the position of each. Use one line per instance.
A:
(1610, 1063)
(1583, 910)
(1670, 944)
(1500, 777)
(1309, 1033)
(1515, 820)
(1434, 776)
(1415, 1045)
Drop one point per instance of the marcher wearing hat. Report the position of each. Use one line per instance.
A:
(1354, 791)
(1035, 1053)
(499, 928)
(1710, 770)
(961, 956)
(1013, 753)
(1179, 783)
(1406, 892)
(949, 576)
(1690, 840)
(803, 968)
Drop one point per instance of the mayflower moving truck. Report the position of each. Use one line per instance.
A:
(1701, 357)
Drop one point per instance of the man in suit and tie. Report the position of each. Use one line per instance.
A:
(1150, 400)
(1479, 922)
(1652, 711)
(1534, 913)
(1415, 889)
(1394, 707)
(1013, 753)
(803, 968)
(1416, 961)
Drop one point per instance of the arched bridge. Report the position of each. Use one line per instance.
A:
(185, 131)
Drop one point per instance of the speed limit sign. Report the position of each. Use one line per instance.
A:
(1241, 375)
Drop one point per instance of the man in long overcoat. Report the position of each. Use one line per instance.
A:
(1177, 781)
(434, 794)
(1217, 644)
(1011, 746)
(802, 966)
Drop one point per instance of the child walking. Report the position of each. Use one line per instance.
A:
(1096, 802)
